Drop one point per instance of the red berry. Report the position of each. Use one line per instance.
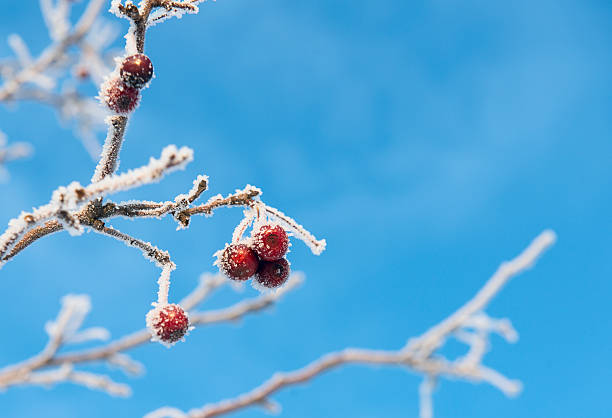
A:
(238, 262)
(169, 323)
(270, 242)
(273, 274)
(136, 70)
(120, 97)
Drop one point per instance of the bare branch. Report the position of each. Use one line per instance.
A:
(426, 389)
(240, 198)
(29, 371)
(431, 340)
(33, 235)
(91, 213)
(54, 52)
(416, 356)
(67, 201)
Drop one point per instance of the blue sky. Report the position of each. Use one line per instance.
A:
(427, 142)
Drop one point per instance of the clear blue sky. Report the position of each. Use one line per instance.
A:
(425, 142)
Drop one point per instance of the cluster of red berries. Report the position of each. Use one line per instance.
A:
(168, 323)
(262, 258)
(121, 94)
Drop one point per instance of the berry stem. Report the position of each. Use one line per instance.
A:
(109, 161)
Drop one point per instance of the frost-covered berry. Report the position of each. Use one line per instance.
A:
(238, 262)
(168, 323)
(273, 274)
(120, 97)
(136, 70)
(270, 242)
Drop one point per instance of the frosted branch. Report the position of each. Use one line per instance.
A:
(426, 389)
(109, 160)
(52, 54)
(436, 336)
(8, 153)
(67, 201)
(76, 55)
(315, 245)
(65, 330)
(415, 356)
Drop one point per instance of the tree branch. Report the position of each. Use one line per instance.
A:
(109, 161)
(22, 373)
(54, 52)
(416, 356)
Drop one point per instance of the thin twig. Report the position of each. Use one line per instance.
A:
(429, 341)
(54, 52)
(109, 161)
(20, 374)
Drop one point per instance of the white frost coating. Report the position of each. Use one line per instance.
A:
(164, 284)
(130, 36)
(130, 40)
(297, 230)
(66, 373)
(249, 216)
(100, 382)
(70, 317)
(56, 18)
(171, 159)
(196, 184)
(71, 198)
(162, 14)
(90, 334)
(13, 152)
(153, 319)
(208, 282)
(183, 200)
(294, 279)
(426, 389)
(510, 387)
(127, 364)
(20, 49)
(166, 412)
(69, 320)
(482, 322)
(436, 336)
(114, 9)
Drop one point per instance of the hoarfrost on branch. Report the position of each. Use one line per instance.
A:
(79, 51)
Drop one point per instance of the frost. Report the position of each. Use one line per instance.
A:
(56, 17)
(167, 412)
(130, 40)
(10, 153)
(66, 326)
(66, 200)
(161, 14)
(20, 49)
(114, 9)
(249, 216)
(164, 285)
(297, 230)
(155, 324)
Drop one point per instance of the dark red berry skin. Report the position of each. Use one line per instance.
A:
(120, 97)
(171, 324)
(136, 70)
(273, 274)
(270, 242)
(238, 262)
